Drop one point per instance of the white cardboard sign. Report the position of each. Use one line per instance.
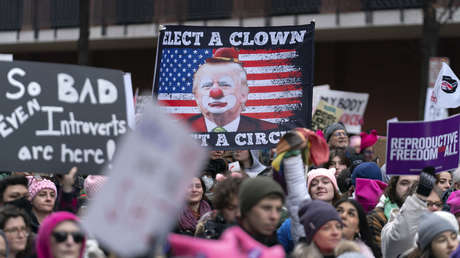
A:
(146, 186)
(354, 104)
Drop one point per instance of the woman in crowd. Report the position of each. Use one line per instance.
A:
(196, 207)
(338, 160)
(15, 223)
(444, 180)
(60, 236)
(322, 185)
(323, 230)
(42, 195)
(437, 236)
(367, 143)
(355, 225)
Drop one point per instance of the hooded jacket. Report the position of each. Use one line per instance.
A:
(42, 243)
(398, 235)
(257, 168)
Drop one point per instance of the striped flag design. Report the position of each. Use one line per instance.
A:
(275, 90)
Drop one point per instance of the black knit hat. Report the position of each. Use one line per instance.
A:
(313, 214)
(253, 190)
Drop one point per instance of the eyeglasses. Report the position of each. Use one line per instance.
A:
(61, 236)
(431, 204)
(339, 134)
(16, 230)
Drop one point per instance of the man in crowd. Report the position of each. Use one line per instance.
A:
(261, 200)
(399, 233)
(13, 188)
(221, 91)
(336, 136)
(393, 198)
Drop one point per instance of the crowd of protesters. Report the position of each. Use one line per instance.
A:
(317, 194)
(325, 198)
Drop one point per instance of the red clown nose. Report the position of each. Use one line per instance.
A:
(216, 93)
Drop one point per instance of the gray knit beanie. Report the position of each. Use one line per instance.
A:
(253, 190)
(332, 128)
(431, 225)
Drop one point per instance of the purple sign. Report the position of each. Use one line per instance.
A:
(411, 146)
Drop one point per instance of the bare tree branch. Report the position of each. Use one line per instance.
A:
(448, 12)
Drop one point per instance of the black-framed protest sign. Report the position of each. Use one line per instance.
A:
(237, 87)
(56, 116)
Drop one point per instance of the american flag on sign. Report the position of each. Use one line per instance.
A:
(275, 90)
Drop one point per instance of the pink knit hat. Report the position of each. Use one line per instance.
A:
(355, 140)
(42, 243)
(454, 202)
(36, 185)
(329, 173)
(368, 140)
(93, 184)
(368, 192)
(234, 242)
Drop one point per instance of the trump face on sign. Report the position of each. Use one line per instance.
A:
(221, 91)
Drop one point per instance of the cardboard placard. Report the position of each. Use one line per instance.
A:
(411, 146)
(57, 116)
(325, 115)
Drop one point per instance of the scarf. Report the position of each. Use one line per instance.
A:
(388, 206)
(187, 221)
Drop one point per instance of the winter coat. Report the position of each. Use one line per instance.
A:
(398, 235)
(257, 168)
(211, 225)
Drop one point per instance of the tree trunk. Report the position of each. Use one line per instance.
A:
(83, 41)
(429, 48)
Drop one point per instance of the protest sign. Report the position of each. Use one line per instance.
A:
(380, 150)
(134, 208)
(141, 100)
(433, 111)
(325, 115)
(317, 90)
(411, 146)
(353, 105)
(238, 88)
(56, 116)
(6, 57)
